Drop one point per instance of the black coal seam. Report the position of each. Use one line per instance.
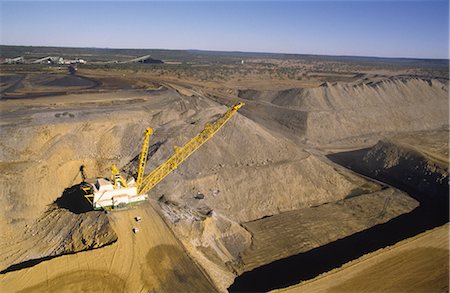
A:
(96, 84)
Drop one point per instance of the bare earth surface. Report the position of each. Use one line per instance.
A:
(419, 264)
(151, 260)
(279, 236)
(269, 186)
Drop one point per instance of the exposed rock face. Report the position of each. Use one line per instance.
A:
(213, 240)
(409, 167)
(57, 232)
(417, 162)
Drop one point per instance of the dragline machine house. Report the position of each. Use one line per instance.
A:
(116, 192)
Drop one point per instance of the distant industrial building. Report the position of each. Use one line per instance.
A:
(16, 60)
(75, 61)
(49, 60)
(145, 59)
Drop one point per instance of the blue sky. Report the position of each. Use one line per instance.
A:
(359, 28)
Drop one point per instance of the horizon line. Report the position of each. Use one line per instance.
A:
(233, 51)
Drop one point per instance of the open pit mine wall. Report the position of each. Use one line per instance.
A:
(336, 111)
(408, 168)
(421, 175)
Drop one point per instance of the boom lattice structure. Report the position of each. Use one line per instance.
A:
(143, 156)
(117, 193)
(184, 152)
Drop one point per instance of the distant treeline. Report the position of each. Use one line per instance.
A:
(200, 56)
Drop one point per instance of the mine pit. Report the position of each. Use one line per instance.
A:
(311, 175)
(391, 163)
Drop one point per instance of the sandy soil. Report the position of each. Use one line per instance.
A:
(266, 168)
(353, 215)
(152, 259)
(56, 232)
(418, 264)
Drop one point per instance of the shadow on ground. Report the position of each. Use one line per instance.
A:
(73, 200)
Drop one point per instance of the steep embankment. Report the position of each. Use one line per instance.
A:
(418, 264)
(415, 162)
(56, 232)
(303, 230)
(337, 111)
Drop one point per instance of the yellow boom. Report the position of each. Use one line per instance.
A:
(182, 153)
(143, 157)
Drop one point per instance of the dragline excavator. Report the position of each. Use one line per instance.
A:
(116, 192)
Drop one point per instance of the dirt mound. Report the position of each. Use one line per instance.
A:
(249, 94)
(247, 150)
(57, 232)
(401, 164)
(291, 98)
(257, 174)
(288, 97)
(70, 81)
(338, 111)
(213, 240)
(343, 111)
(152, 261)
